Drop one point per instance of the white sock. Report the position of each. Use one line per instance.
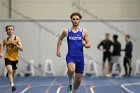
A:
(12, 84)
(70, 81)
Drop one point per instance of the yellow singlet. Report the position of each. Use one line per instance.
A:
(11, 50)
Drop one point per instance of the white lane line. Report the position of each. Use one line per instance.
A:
(28, 87)
(124, 86)
(126, 89)
(50, 86)
(85, 86)
(92, 88)
(59, 88)
(98, 86)
(24, 90)
(92, 91)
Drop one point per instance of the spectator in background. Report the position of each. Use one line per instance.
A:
(106, 49)
(128, 55)
(116, 57)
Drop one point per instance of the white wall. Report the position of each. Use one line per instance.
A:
(61, 9)
(39, 44)
(4, 12)
(112, 9)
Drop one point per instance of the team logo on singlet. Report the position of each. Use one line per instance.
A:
(75, 38)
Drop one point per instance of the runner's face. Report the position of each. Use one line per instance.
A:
(75, 20)
(10, 30)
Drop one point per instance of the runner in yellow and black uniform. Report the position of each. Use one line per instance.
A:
(13, 44)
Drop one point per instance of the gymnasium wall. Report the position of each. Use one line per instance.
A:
(61, 9)
(39, 38)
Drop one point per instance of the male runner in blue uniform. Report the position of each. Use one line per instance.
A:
(76, 38)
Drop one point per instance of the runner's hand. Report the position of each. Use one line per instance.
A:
(84, 42)
(58, 53)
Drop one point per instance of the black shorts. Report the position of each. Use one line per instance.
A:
(107, 55)
(12, 63)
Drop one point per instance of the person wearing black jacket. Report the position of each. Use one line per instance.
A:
(106, 49)
(128, 55)
(116, 57)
